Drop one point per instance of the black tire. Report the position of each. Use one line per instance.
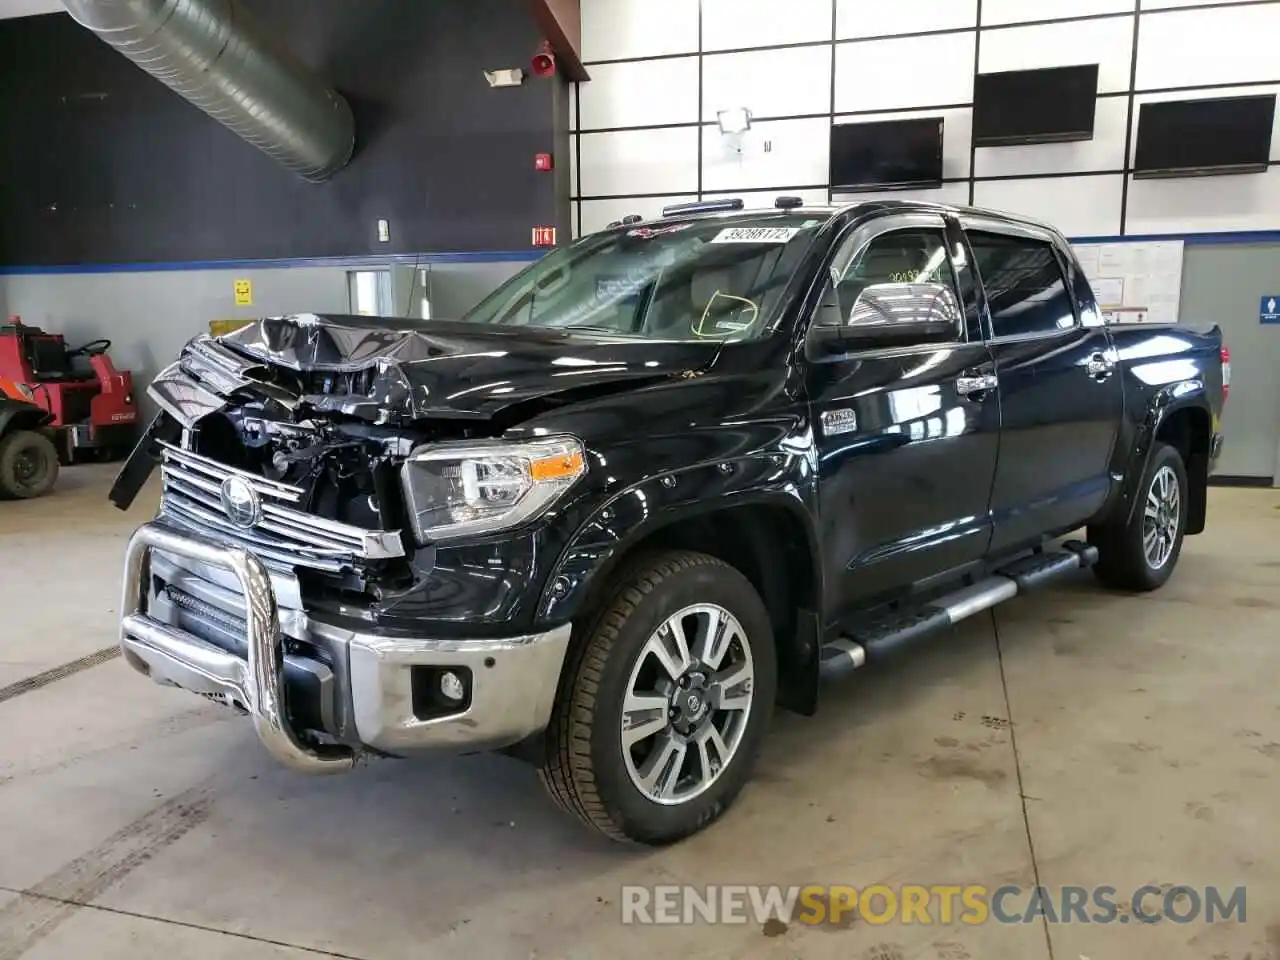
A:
(1123, 560)
(28, 465)
(585, 771)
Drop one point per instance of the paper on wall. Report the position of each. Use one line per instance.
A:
(1135, 281)
(1115, 260)
(1087, 254)
(1140, 292)
(1109, 291)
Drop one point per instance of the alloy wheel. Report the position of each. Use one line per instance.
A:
(1160, 518)
(687, 703)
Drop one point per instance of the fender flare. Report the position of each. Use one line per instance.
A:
(655, 503)
(1165, 402)
(15, 415)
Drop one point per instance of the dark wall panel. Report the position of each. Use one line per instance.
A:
(101, 163)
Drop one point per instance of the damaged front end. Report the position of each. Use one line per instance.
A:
(323, 427)
(284, 533)
(246, 458)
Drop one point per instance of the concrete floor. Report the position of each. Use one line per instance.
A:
(1080, 737)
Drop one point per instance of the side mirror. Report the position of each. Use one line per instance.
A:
(887, 314)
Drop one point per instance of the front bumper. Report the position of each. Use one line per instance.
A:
(364, 689)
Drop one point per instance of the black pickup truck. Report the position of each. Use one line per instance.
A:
(661, 480)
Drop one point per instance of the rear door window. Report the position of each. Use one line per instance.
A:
(1026, 289)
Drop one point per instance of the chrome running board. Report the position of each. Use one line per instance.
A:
(841, 657)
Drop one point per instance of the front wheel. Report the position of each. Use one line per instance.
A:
(664, 707)
(28, 465)
(1141, 553)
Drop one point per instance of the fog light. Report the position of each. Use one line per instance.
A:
(451, 687)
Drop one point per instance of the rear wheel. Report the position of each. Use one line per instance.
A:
(1140, 554)
(663, 710)
(28, 464)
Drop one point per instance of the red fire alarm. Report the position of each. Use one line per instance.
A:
(543, 162)
(544, 236)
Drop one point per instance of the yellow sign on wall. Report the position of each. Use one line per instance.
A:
(218, 328)
(244, 293)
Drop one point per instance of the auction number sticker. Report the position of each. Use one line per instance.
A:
(755, 235)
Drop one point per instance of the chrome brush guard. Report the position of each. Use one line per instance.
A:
(256, 685)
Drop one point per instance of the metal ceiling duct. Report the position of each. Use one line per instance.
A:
(215, 55)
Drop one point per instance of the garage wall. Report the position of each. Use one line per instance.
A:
(106, 165)
(457, 287)
(1223, 283)
(127, 213)
(149, 316)
(645, 132)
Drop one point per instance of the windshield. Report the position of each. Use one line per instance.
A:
(707, 279)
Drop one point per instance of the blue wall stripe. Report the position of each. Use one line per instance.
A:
(1190, 239)
(512, 256)
(405, 259)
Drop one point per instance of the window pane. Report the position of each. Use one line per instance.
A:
(1025, 287)
(371, 293)
(386, 297)
(903, 256)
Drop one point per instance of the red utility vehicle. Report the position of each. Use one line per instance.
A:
(91, 402)
(28, 460)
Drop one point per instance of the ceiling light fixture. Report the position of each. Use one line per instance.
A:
(734, 121)
(505, 78)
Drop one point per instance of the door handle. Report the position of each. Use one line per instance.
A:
(1101, 366)
(967, 386)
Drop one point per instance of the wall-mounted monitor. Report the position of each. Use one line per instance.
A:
(1051, 105)
(887, 154)
(1192, 138)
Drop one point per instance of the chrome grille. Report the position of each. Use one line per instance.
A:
(285, 537)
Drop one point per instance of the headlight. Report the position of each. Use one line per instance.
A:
(460, 490)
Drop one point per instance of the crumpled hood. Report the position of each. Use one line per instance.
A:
(382, 369)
